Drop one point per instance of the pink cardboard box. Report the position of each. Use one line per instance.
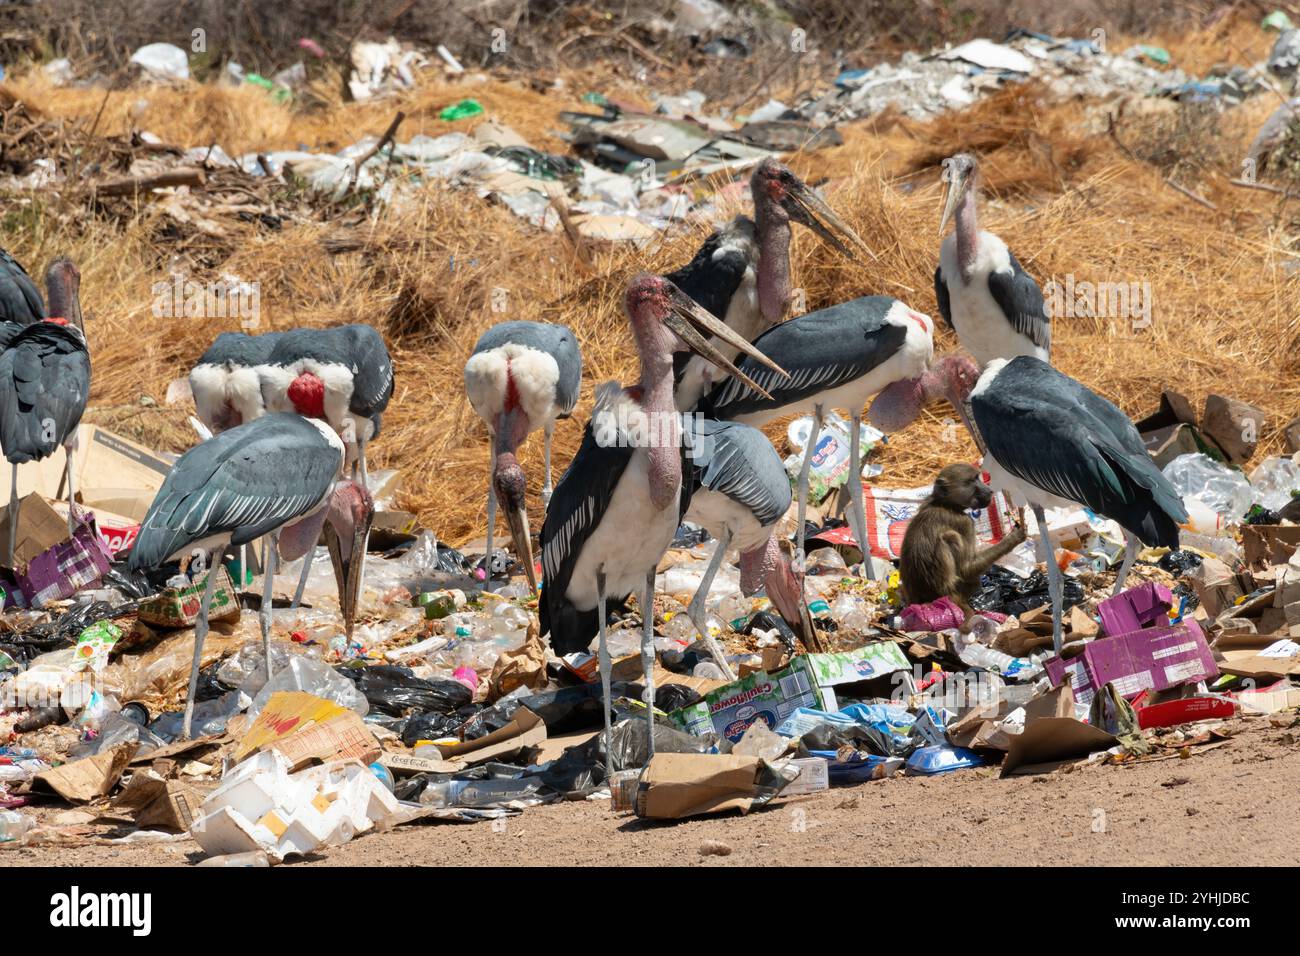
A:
(1135, 608)
(1153, 658)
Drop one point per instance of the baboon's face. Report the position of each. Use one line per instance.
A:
(960, 487)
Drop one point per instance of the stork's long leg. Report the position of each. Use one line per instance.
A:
(1131, 548)
(72, 493)
(695, 611)
(602, 658)
(492, 519)
(269, 544)
(361, 459)
(13, 516)
(302, 578)
(648, 659)
(1055, 582)
(808, 450)
(547, 488)
(857, 507)
(200, 635)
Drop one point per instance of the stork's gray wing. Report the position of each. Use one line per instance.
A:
(44, 384)
(1021, 301)
(1054, 433)
(20, 300)
(941, 295)
(569, 361)
(245, 482)
(239, 349)
(372, 371)
(821, 350)
(738, 461)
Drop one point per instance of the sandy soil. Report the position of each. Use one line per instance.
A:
(1231, 805)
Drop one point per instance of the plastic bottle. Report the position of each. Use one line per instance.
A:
(734, 609)
(15, 826)
(477, 793)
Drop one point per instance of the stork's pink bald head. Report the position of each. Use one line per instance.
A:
(952, 379)
(62, 292)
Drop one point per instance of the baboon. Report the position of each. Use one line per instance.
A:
(940, 557)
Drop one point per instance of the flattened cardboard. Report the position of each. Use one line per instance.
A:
(40, 528)
(674, 786)
(1266, 545)
(404, 764)
(342, 736)
(286, 712)
(83, 780)
(1049, 741)
(524, 730)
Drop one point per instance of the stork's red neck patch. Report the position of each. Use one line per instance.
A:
(512, 389)
(307, 392)
(56, 320)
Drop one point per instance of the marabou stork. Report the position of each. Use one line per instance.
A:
(276, 477)
(742, 272)
(1052, 441)
(44, 384)
(617, 507)
(20, 300)
(521, 376)
(740, 493)
(226, 383)
(837, 357)
(994, 306)
(342, 375)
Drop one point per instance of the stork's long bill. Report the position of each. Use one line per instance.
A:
(806, 207)
(347, 525)
(691, 323)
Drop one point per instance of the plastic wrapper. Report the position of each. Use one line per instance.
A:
(1179, 562)
(878, 729)
(1223, 490)
(628, 738)
(210, 717)
(770, 620)
(1003, 590)
(396, 691)
(938, 615)
(246, 668)
(312, 677)
(117, 729)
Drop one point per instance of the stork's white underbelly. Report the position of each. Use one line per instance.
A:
(219, 390)
(910, 361)
(629, 541)
(718, 513)
(534, 374)
(746, 317)
(980, 324)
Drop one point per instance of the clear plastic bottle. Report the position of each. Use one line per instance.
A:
(15, 826)
(477, 793)
(734, 607)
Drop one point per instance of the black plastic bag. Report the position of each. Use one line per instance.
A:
(768, 619)
(1180, 562)
(1005, 591)
(627, 744)
(57, 633)
(398, 692)
(210, 687)
(431, 727)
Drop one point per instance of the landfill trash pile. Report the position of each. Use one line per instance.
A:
(446, 705)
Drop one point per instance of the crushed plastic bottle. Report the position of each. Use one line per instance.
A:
(851, 612)
(15, 826)
(1225, 491)
(1274, 481)
(481, 793)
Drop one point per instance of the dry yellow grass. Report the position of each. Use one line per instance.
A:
(1066, 197)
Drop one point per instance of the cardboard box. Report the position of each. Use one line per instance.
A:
(674, 786)
(1135, 608)
(1154, 658)
(814, 776)
(1266, 545)
(48, 563)
(525, 730)
(808, 681)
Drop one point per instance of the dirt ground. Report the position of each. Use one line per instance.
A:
(1233, 804)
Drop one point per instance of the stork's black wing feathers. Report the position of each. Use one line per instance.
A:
(44, 384)
(576, 508)
(20, 300)
(241, 482)
(1051, 431)
(712, 277)
(738, 461)
(1021, 301)
(941, 295)
(821, 350)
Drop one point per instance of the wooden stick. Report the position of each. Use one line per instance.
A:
(183, 176)
(1191, 195)
(383, 141)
